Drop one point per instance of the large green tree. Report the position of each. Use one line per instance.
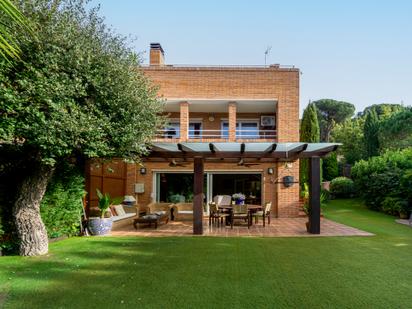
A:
(350, 134)
(395, 132)
(383, 110)
(331, 112)
(370, 133)
(310, 133)
(77, 93)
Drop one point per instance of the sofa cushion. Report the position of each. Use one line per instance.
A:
(113, 210)
(160, 212)
(186, 212)
(119, 210)
(122, 217)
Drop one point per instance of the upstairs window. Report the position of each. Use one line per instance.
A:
(172, 130)
(195, 129)
(244, 129)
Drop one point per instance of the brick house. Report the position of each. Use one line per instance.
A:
(219, 104)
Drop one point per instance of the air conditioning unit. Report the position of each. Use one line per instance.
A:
(267, 121)
(139, 188)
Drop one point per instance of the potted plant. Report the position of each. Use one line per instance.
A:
(239, 198)
(102, 225)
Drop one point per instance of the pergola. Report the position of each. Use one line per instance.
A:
(256, 152)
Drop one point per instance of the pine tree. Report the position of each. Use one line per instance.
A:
(370, 133)
(309, 133)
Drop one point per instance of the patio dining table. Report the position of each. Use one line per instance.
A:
(250, 207)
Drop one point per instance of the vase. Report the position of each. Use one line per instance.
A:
(239, 202)
(100, 226)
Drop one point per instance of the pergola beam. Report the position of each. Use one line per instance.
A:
(271, 148)
(212, 148)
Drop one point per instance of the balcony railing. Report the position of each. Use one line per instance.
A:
(195, 134)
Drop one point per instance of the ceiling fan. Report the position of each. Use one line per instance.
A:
(243, 163)
(173, 163)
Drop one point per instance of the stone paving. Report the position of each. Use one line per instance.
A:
(279, 227)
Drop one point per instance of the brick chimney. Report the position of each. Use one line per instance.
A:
(157, 55)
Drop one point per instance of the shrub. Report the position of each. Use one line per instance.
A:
(330, 167)
(394, 205)
(61, 207)
(342, 187)
(388, 175)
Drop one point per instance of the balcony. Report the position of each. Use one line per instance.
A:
(172, 135)
(219, 121)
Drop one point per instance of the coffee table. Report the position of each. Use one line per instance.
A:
(149, 219)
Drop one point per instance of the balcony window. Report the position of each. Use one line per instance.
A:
(244, 129)
(195, 130)
(172, 130)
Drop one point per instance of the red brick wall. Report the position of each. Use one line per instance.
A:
(281, 85)
(239, 83)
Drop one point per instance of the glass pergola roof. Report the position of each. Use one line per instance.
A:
(249, 150)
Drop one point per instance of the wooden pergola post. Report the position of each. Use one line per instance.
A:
(314, 195)
(198, 196)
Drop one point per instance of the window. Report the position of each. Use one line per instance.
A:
(172, 130)
(244, 129)
(195, 129)
(248, 130)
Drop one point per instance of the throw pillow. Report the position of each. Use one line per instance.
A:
(119, 210)
(113, 210)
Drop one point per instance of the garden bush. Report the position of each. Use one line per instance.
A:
(394, 206)
(330, 167)
(61, 207)
(385, 179)
(342, 187)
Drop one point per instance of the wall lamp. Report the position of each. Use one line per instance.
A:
(270, 171)
(143, 171)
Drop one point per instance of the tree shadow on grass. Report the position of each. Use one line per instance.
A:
(104, 272)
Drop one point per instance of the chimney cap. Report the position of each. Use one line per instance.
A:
(157, 46)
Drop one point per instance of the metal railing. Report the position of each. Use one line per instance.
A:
(196, 134)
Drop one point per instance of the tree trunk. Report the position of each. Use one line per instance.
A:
(30, 228)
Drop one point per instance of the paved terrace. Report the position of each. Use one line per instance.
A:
(280, 227)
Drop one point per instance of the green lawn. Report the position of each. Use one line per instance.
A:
(190, 272)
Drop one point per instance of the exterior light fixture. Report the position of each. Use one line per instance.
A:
(211, 117)
(288, 165)
(270, 171)
(288, 181)
(143, 171)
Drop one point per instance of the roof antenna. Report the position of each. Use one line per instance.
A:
(267, 51)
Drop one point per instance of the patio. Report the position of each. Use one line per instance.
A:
(279, 227)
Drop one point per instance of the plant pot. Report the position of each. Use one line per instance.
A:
(100, 226)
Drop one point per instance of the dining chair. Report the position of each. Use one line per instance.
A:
(239, 212)
(215, 215)
(264, 213)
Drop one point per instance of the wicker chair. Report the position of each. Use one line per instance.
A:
(240, 212)
(215, 215)
(265, 213)
(156, 207)
(183, 211)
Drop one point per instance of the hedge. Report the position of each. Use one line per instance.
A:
(385, 181)
(342, 187)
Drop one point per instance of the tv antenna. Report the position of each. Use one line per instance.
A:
(267, 51)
